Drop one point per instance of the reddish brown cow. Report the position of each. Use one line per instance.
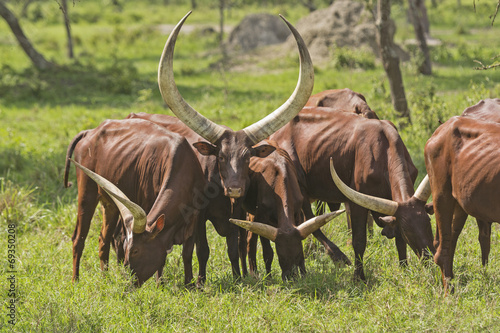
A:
(343, 99)
(275, 198)
(233, 149)
(463, 164)
(150, 166)
(369, 156)
(488, 110)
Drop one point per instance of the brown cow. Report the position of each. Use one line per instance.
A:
(371, 157)
(275, 198)
(233, 149)
(343, 99)
(152, 167)
(463, 164)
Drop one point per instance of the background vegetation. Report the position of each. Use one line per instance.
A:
(114, 73)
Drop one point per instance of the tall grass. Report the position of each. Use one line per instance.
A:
(114, 74)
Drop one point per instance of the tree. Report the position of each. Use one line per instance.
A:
(64, 8)
(390, 58)
(420, 22)
(36, 58)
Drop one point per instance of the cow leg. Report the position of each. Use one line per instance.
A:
(242, 250)
(109, 222)
(202, 251)
(187, 259)
(444, 207)
(358, 218)
(484, 239)
(233, 251)
(87, 202)
(331, 249)
(401, 248)
(267, 253)
(118, 240)
(252, 252)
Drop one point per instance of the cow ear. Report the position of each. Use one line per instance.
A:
(429, 208)
(262, 150)
(387, 220)
(157, 226)
(205, 148)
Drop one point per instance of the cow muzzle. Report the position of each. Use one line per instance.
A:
(233, 192)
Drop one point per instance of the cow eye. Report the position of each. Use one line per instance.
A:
(222, 159)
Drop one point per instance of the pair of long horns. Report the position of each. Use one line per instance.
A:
(132, 214)
(380, 205)
(305, 229)
(212, 131)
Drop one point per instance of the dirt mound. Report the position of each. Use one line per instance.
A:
(344, 24)
(257, 30)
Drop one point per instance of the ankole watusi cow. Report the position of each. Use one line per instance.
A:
(233, 149)
(228, 152)
(463, 164)
(151, 170)
(369, 156)
(275, 199)
(488, 110)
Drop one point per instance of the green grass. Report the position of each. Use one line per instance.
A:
(114, 73)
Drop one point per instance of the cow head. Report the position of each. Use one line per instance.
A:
(410, 216)
(145, 253)
(233, 149)
(289, 240)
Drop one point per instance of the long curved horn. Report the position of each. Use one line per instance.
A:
(311, 225)
(278, 118)
(423, 191)
(171, 95)
(128, 209)
(261, 229)
(383, 206)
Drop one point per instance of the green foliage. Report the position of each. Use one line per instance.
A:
(114, 73)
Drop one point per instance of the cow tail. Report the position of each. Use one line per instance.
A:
(71, 148)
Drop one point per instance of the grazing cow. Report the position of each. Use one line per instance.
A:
(343, 99)
(150, 170)
(463, 164)
(275, 199)
(369, 156)
(233, 149)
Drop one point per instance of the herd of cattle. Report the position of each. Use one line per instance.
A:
(159, 178)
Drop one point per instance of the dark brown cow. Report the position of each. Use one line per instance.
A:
(275, 198)
(145, 164)
(369, 156)
(343, 99)
(233, 149)
(463, 164)
(218, 206)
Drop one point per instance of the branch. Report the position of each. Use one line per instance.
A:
(484, 67)
(492, 17)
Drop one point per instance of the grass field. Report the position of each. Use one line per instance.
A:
(114, 73)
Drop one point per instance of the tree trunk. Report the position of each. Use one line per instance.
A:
(390, 58)
(36, 58)
(419, 19)
(193, 4)
(221, 22)
(64, 8)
